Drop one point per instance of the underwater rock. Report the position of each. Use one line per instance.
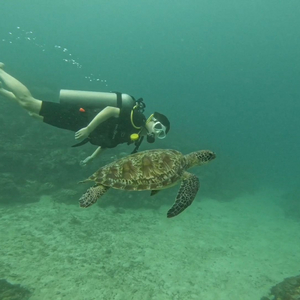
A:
(291, 204)
(9, 188)
(288, 289)
(10, 291)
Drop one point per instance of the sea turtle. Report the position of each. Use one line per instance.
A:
(150, 170)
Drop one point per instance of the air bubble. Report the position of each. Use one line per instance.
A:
(66, 55)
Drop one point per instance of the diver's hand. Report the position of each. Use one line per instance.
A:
(84, 162)
(82, 133)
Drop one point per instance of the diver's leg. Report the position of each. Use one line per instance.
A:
(19, 93)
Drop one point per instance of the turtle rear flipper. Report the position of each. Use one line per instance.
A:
(154, 192)
(92, 194)
(186, 194)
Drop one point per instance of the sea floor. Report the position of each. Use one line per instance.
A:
(214, 250)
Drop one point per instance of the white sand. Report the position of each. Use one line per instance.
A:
(229, 251)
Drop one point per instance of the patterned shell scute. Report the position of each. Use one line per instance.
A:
(147, 170)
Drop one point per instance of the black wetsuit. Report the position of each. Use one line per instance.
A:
(108, 134)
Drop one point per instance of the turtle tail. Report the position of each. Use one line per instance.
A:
(85, 180)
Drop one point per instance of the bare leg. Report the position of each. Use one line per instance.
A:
(19, 93)
(6, 94)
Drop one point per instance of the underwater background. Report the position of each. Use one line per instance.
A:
(227, 74)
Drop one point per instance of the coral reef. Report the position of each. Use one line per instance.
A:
(10, 291)
(291, 203)
(288, 289)
(31, 165)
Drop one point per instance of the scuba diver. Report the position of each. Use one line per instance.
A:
(103, 119)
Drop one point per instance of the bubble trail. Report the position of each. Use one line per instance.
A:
(20, 35)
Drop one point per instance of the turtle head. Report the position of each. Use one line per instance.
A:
(200, 158)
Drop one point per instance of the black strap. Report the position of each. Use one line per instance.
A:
(81, 143)
(119, 99)
(137, 145)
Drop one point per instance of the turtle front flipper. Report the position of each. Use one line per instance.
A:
(92, 194)
(186, 194)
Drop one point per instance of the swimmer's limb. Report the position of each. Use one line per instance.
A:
(96, 153)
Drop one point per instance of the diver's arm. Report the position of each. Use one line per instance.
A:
(102, 116)
(94, 155)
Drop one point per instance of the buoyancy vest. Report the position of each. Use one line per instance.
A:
(113, 131)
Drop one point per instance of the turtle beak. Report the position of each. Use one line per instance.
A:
(212, 155)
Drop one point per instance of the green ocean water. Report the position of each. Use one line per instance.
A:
(226, 73)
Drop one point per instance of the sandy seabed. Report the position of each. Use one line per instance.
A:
(213, 251)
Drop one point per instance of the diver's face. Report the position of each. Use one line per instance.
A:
(157, 128)
(149, 125)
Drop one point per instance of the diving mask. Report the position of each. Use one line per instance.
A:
(159, 129)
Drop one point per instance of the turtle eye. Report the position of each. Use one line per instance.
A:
(205, 155)
(211, 155)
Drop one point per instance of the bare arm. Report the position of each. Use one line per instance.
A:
(102, 116)
(93, 156)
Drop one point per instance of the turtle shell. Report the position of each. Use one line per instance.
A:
(146, 170)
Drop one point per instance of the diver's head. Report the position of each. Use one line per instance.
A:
(158, 126)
